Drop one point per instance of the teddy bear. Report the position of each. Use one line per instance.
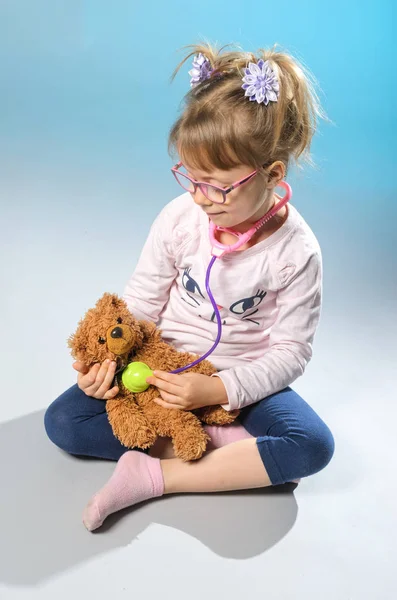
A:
(110, 331)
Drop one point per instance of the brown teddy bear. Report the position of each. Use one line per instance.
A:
(110, 331)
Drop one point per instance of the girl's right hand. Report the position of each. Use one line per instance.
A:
(97, 381)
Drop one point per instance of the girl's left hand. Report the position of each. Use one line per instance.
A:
(188, 391)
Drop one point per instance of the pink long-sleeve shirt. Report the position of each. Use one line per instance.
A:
(269, 298)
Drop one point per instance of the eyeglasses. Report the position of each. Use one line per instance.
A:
(215, 194)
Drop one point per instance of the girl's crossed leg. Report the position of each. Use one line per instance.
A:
(289, 441)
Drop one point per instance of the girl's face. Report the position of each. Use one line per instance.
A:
(245, 204)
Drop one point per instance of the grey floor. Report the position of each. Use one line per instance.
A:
(333, 537)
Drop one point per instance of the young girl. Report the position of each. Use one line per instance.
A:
(246, 117)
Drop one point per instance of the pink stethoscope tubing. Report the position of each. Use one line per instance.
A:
(218, 250)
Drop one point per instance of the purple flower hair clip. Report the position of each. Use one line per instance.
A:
(260, 83)
(201, 70)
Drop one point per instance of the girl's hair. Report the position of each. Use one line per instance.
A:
(221, 128)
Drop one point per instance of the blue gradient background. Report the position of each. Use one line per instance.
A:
(85, 109)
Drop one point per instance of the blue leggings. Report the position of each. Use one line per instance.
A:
(292, 439)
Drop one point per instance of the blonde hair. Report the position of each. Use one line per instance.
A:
(220, 128)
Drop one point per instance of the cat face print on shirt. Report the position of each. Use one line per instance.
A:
(243, 308)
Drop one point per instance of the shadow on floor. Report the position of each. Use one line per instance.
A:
(45, 490)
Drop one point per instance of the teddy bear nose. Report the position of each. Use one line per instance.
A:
(117, 332)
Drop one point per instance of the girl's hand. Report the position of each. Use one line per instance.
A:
(97, 381)
(188, 391)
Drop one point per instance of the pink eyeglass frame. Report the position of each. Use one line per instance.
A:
(224, 191)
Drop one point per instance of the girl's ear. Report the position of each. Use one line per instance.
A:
(276, 173)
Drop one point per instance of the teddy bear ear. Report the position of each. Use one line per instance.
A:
(76, 346)
(109, 301)
(104, 300)
(148, 328)
(72, 341)
(118, 302)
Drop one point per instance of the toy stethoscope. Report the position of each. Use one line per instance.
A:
(217, 251)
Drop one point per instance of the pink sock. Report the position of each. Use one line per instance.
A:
(137, 477)
(225, 434)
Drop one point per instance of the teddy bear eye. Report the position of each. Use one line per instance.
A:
(101, 340)
(119, 320)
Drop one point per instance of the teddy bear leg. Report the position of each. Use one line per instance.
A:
(129, 424)
(188, 436)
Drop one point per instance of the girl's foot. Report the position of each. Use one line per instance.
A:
(137, 477)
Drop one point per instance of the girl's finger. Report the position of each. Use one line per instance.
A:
(169, 377)
(80, 367)
(95, 379)
(89, 379)
(100, 376)
(172, 399)
(111, 393)
(163, 385)
(164, 404)
(107, 381)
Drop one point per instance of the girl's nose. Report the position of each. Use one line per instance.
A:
(200, 199)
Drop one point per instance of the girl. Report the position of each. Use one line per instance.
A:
(245, 118)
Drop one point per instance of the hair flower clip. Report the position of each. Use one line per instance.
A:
(201, 70)
(260, 83)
